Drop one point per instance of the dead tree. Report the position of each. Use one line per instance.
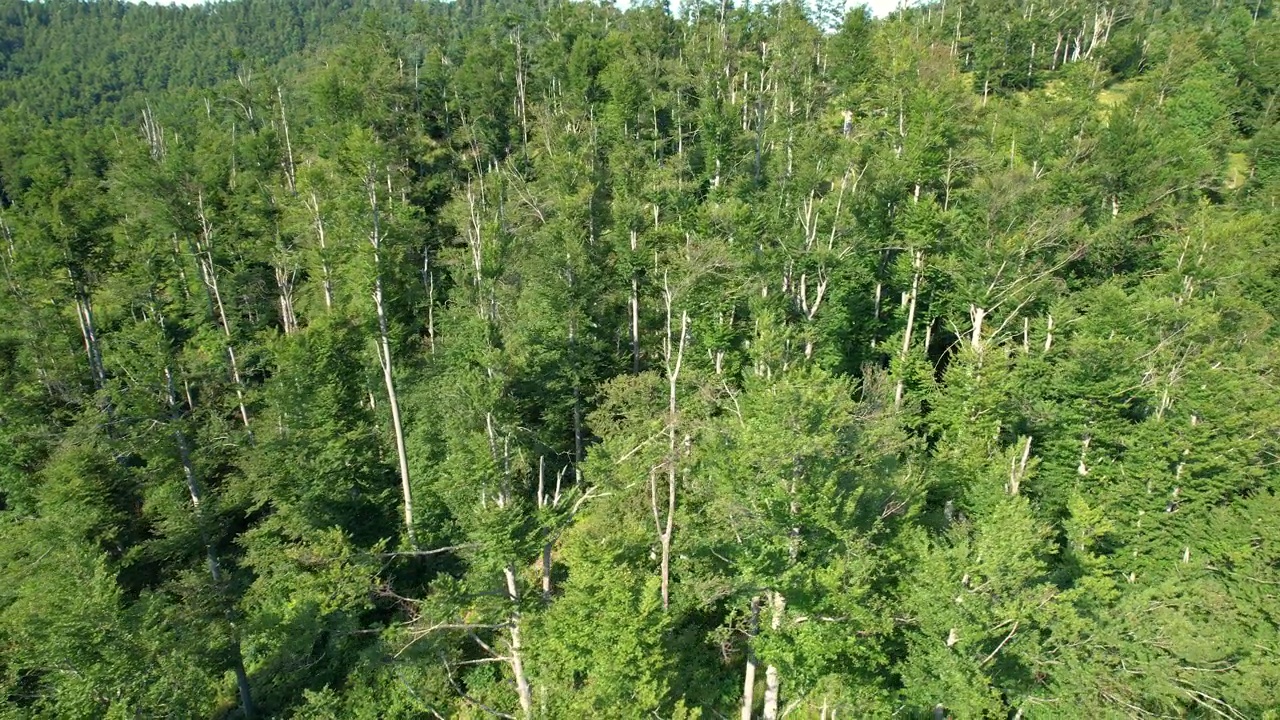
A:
(384, 357)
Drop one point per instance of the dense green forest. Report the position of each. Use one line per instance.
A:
(398, 359)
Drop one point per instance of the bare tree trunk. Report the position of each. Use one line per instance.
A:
(84, 313)
(1018, 470)
(635, 310)
(384, 358)
(211, 554)
(475, 241)
(946, 197)
(680, 123)
(772, 681)
(911, 321)
(577, 396)
(577, 381)
(749, 679)
(976, 315)
(284, 282)
(520, 92)
(674, 354)
(666, 539)
(517, 661)
(546, 571)
(429, 283)
(8, 259)
(318, 221)
(835, 219)
(759, 138)
(153, 132)
(290, 174)
(210, 273)
(543, 501)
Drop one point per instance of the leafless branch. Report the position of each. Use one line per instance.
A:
(1013, 630)
(463, 694)
(435, 551)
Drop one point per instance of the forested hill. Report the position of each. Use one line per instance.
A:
(64, 58)
(405, 360)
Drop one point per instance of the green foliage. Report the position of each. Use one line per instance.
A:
(922, 364)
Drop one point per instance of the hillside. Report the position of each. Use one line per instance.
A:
(400, 360)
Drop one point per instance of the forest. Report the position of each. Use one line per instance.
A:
(498, 359)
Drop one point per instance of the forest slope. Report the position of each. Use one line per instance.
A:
(457, 360)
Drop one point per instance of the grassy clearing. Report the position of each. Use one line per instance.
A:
(1237, 172)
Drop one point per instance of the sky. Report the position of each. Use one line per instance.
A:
(879, 8)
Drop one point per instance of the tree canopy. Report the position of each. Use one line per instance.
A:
(553, 360)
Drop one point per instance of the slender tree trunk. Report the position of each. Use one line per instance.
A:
(674, 353)
(8, 259)
(520, 92)
(577, 422)
(772, 680)
(84, 313)
(284, 283)
(517, 660)
(976, 315)
(546, 571)
(543, 501)
(429, 284)
(749, 678)
(575, 369)
(680, 122)
(635, 309)
(911, 321)
(318, 222)
(475, 241)
(384, 358)
(1018, 470)
(211, 554)
(290, 175)
(210, 273)
(759, 138)
(154, 133)
(666, 538)
(835, 219)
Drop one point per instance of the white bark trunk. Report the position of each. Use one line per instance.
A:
(674, 353)
(577, 393)
(84, 312)
(520, 91)
(475, 240)
(318, 221)
(517, 660)
(749, 679)
(976, 315)
(284, 283)
(1018, 470)
(290, 174)
(211, 554)
(429, 284)
(911, 321)
(772, 678)
(209, 271)
(635, 310)
(384, 358)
